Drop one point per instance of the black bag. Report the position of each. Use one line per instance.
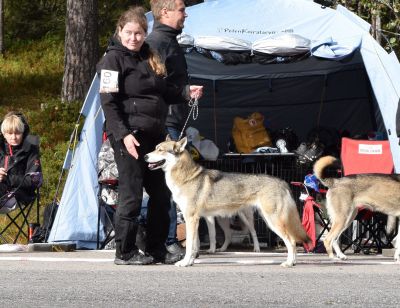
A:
(41, 233)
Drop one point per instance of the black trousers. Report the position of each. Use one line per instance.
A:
(133, 176)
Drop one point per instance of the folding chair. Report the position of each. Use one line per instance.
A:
(20, 226)
(20, 223)
(108, 196)
(367, 156)
(107, 207)
(108, 192)
(314, 221)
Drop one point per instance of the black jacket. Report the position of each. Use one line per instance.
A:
(140, 103)
(163, 40)
(22, 159)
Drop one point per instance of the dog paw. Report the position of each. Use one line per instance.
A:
(342, 257)
(184, 263)
(211, 251)
(257, 249)
(287, 264)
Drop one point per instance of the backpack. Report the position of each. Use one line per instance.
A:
(250, 133)
(41, 233)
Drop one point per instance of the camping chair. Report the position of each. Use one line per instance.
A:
(19, 225)
(367, 156)
(314, 220)
(108, 192)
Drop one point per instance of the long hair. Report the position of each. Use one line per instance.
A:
(136, 14)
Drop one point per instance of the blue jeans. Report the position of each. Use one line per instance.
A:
(174, 134)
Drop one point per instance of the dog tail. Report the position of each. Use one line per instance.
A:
(321, 165)
(295, 226)
(300, 235)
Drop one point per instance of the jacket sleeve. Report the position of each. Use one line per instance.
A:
(176, 95)
(33, 177)
(111, 102)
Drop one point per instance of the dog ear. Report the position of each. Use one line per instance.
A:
(168, 138)
(181, 144)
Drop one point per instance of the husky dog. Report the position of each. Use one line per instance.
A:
(202, 192)
(247, 218)
(377, 192)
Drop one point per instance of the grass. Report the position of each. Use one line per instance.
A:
(30, 82)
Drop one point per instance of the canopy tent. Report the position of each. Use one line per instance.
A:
(358, 93)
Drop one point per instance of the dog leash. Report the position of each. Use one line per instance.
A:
(194, 107)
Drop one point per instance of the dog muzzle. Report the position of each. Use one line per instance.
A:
(154, 165)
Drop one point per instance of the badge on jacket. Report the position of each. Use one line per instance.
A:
(108, 81)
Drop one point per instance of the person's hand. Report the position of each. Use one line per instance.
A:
(3, 174)
(131, 143)
(196, 91)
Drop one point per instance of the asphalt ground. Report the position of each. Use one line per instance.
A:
(88, 278)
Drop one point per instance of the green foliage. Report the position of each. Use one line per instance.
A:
(109, 12)
(31, 73)
(54, 123)
(30, 82)
(389, 12)
(34, 19)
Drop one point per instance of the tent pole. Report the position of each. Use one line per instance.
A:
(322, 100)
(215, 110)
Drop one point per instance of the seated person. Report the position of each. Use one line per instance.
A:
(20, 169)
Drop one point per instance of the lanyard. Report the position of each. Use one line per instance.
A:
(7, 158)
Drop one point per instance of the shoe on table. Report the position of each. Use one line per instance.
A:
(176, 248)
(138, 257)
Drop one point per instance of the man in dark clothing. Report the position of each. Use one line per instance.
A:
(169, 18)
(167, 25)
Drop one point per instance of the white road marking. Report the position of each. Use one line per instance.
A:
(50, 259)
(226, 258)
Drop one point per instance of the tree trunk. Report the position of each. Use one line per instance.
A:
(1, 27)
(81, 48)
(378, 28)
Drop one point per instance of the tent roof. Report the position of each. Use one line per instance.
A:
(201, 67)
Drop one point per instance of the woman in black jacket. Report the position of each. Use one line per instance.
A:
(134, 94)
(20, 168)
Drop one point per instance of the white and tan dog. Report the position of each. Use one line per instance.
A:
(201, 192)
(377, 192)
(247, 219)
